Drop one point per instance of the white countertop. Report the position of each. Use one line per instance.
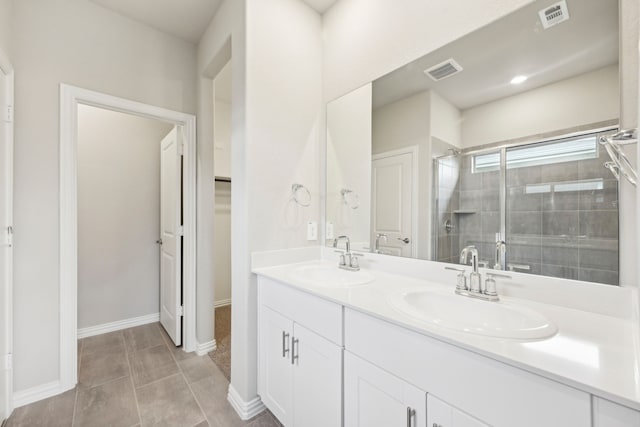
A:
(596, 353)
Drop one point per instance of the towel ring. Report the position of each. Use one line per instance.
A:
(350, 198)
(301, 195)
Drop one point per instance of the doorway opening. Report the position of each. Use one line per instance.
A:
(222, 218)
(175, 154)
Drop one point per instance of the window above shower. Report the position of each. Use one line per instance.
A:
(491, 138)
(566, 150)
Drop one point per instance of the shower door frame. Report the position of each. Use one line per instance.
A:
(502, 147)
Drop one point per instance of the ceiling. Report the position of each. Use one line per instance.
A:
(186, 19)
(512, 46)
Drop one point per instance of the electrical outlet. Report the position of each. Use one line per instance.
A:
(312, 230)
(329, 230)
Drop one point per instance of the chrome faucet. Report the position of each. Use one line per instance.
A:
(379, 236)
(487, 292)
(501, 248)
(475, 280)
(348, 259)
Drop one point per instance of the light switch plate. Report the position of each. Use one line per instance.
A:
(329, 230)
(312, 230)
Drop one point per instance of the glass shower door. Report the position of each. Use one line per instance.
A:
(562, 211)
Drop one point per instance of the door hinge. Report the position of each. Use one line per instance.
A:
(9, 236)
(181, 230)
(180, 311)
(8, 114)
(8, 362)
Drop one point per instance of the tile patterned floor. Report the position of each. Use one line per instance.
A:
(136, 378)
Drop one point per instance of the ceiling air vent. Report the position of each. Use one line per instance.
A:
(443, 70)
(554, 14)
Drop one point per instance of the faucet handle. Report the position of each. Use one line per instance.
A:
(490, 284)
(462, 279)
(356, 254)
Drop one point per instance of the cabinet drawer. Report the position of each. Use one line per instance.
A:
(320, 316)
(498, 394)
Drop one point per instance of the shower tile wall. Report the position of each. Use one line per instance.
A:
(478, 217)
(570, 234)
(448, 192)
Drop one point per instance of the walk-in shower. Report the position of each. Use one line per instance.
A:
(551, 201)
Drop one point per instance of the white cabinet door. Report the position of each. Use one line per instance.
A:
(441, 414)
(317, 380)
(609, 414)
(375, 398)
(275, 384)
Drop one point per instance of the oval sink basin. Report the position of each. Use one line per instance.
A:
(330, 276)
(460, 313)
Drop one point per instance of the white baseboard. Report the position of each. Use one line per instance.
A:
(245, 410)
(118, 325)
(205, 347)
(34, 394)
(222, 303)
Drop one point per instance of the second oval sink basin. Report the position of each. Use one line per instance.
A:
(494, 319)
(331, 276)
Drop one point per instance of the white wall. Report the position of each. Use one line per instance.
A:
(446, 120)
(222, 168)
(406, 123)
(222, 139)
(348, 164)
(277, 120)
(367, 39)
(5, 26)
(118, 215)
(581, 100)
(224, 41)
(222, 122)
(79, 43)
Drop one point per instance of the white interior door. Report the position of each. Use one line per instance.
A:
(393, 203)
(171, 236)
(6, 209)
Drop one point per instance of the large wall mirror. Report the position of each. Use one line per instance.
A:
(490, 141)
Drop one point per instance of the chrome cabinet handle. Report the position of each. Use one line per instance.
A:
(285, 340)
(294, 355)
(410, 415)
(405, 240)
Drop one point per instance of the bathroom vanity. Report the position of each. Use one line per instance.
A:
(337, 348)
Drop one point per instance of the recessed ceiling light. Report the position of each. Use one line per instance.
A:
(518, 79)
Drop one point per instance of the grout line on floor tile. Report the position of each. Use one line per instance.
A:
(135, 394)
(204, 414)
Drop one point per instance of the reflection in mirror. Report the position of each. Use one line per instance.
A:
(490, 141)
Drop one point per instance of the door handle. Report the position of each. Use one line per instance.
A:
(294, 355)
(285, 340)
(159, 241)
(406, 240)
(410, 414)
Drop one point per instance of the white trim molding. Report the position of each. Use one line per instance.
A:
(119, 325)
(206, 347)
(34, 394)
(6, 284)
(70, 97)
(222, 303)
(245, 410)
